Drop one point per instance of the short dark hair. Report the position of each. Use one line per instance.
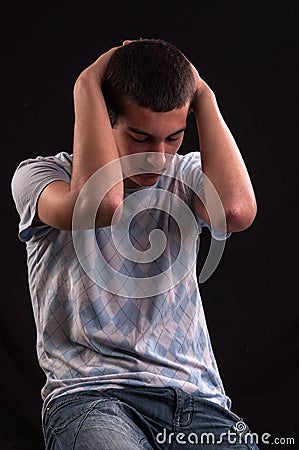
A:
(152, 73)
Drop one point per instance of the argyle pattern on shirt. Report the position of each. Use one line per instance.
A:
(89, 337)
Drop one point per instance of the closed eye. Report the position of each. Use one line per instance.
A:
(141, 136)
(140, 139)
(172, 138)
(147, 139)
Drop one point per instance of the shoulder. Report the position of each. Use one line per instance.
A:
(192, 159)
(33, 172)
(62, 160)
(188, 170)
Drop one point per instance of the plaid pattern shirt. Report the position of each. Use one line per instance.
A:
(93, 337)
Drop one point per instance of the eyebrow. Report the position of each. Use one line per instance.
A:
(144, 133)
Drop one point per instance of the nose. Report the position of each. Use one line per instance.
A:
(157, 160)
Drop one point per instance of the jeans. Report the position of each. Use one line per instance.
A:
(142, 419)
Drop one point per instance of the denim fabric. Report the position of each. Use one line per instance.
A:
(142, 419)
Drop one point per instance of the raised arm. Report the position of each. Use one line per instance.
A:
(93, 147)
(222, 163)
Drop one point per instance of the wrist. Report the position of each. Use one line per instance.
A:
(89, 75)
(202, 94)
(88, 80)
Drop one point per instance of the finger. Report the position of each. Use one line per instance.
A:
(127, 41)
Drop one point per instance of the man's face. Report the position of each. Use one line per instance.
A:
(140, 130)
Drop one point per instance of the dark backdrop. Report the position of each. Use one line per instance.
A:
(247, 52)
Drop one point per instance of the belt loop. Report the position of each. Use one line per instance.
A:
(184, 409)
(179, 408)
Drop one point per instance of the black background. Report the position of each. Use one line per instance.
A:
(247, 52)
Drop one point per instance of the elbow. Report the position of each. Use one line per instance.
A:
(109, 212)
(88, 215)
(240, 217)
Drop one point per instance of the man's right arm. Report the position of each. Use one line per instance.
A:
(93, 147)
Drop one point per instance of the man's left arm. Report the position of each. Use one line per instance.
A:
(222, 164)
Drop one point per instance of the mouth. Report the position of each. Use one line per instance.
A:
(148, 178)
(145, 179)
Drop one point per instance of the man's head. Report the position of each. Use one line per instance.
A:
(148, 89)
(152, 73)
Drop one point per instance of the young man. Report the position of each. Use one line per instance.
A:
(127, 355)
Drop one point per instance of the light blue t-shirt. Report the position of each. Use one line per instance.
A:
(106, 319)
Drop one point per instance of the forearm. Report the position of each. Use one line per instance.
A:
(94, 145)
(222, 162)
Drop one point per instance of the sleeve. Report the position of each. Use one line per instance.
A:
(29, 180)
(192, 176)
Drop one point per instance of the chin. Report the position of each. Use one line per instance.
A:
(147, 180)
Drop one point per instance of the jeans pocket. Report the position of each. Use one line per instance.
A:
(64, 420)
(62, 411)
